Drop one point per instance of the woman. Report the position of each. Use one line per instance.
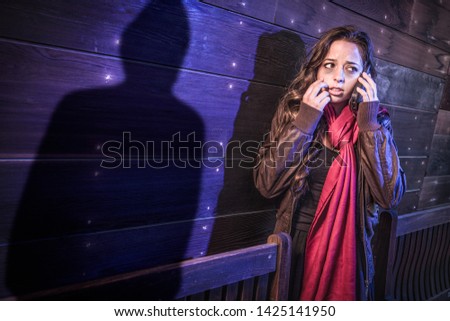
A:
(333, 166)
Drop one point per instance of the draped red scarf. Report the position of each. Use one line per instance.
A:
(330, 256)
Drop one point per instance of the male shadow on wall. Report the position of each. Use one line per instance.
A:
(78, 221)
(277, 60)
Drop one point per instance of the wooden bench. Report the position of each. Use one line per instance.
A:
(421, 257)
(254, 273)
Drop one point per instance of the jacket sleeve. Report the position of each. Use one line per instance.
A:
(279, 157)
(378, 157)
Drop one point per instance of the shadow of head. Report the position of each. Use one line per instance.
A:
(78, 220)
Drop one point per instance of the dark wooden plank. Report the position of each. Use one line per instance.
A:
(435, 191)
(443, 120)
(434, 251)
(443, 254)
(403, 270)
(51, 198)
(82, 257)
(384, 247)
(235, 231)
(413, 131)
(52, 116)
(66, 197)
(413, 287)
(232, 292)
(444, 4)
(264, 10)
(262, 288)
(37, 123)
(215, 294)
(247, 288)
(421, 19)
(197, 297)
(397, 85)
(314, 17)
(281, 279)
(422, 220)
(424, 262)
(414, 168)
(195, 277)
(445, 102)
(198, 36)
(447, 259)
(446, 267)
(409, 203)
(397, 270)
(408, 271)
(439, 155)
(427, 264)
(435, 272)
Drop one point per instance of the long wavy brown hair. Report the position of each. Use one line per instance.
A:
(289, 104)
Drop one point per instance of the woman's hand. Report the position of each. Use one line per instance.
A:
(316, 95)
(370, 91)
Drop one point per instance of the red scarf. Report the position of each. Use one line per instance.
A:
(330, 257)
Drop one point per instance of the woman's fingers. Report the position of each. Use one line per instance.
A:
(316, 95)
(369, 93)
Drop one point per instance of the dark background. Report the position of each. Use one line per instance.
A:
(76, 74)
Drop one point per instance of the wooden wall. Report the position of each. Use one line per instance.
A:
(78, 75)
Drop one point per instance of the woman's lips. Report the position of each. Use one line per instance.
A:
(335, 91)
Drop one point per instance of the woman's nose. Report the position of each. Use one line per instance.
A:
(339, 75)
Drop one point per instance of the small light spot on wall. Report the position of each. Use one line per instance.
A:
(208, 208)
(240, 22)
(204, 227)
(243, 4)
(234, 64)
(385, 17)
(118, 42)
(217, 170)
(230, 86)
(292, 21)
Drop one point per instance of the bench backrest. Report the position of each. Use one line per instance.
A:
(259, 272)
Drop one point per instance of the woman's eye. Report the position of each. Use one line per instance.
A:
(352, 69)
(329, 65)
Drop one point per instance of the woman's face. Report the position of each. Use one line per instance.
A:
(340, 70)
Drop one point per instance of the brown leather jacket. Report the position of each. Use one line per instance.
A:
(381, 181)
